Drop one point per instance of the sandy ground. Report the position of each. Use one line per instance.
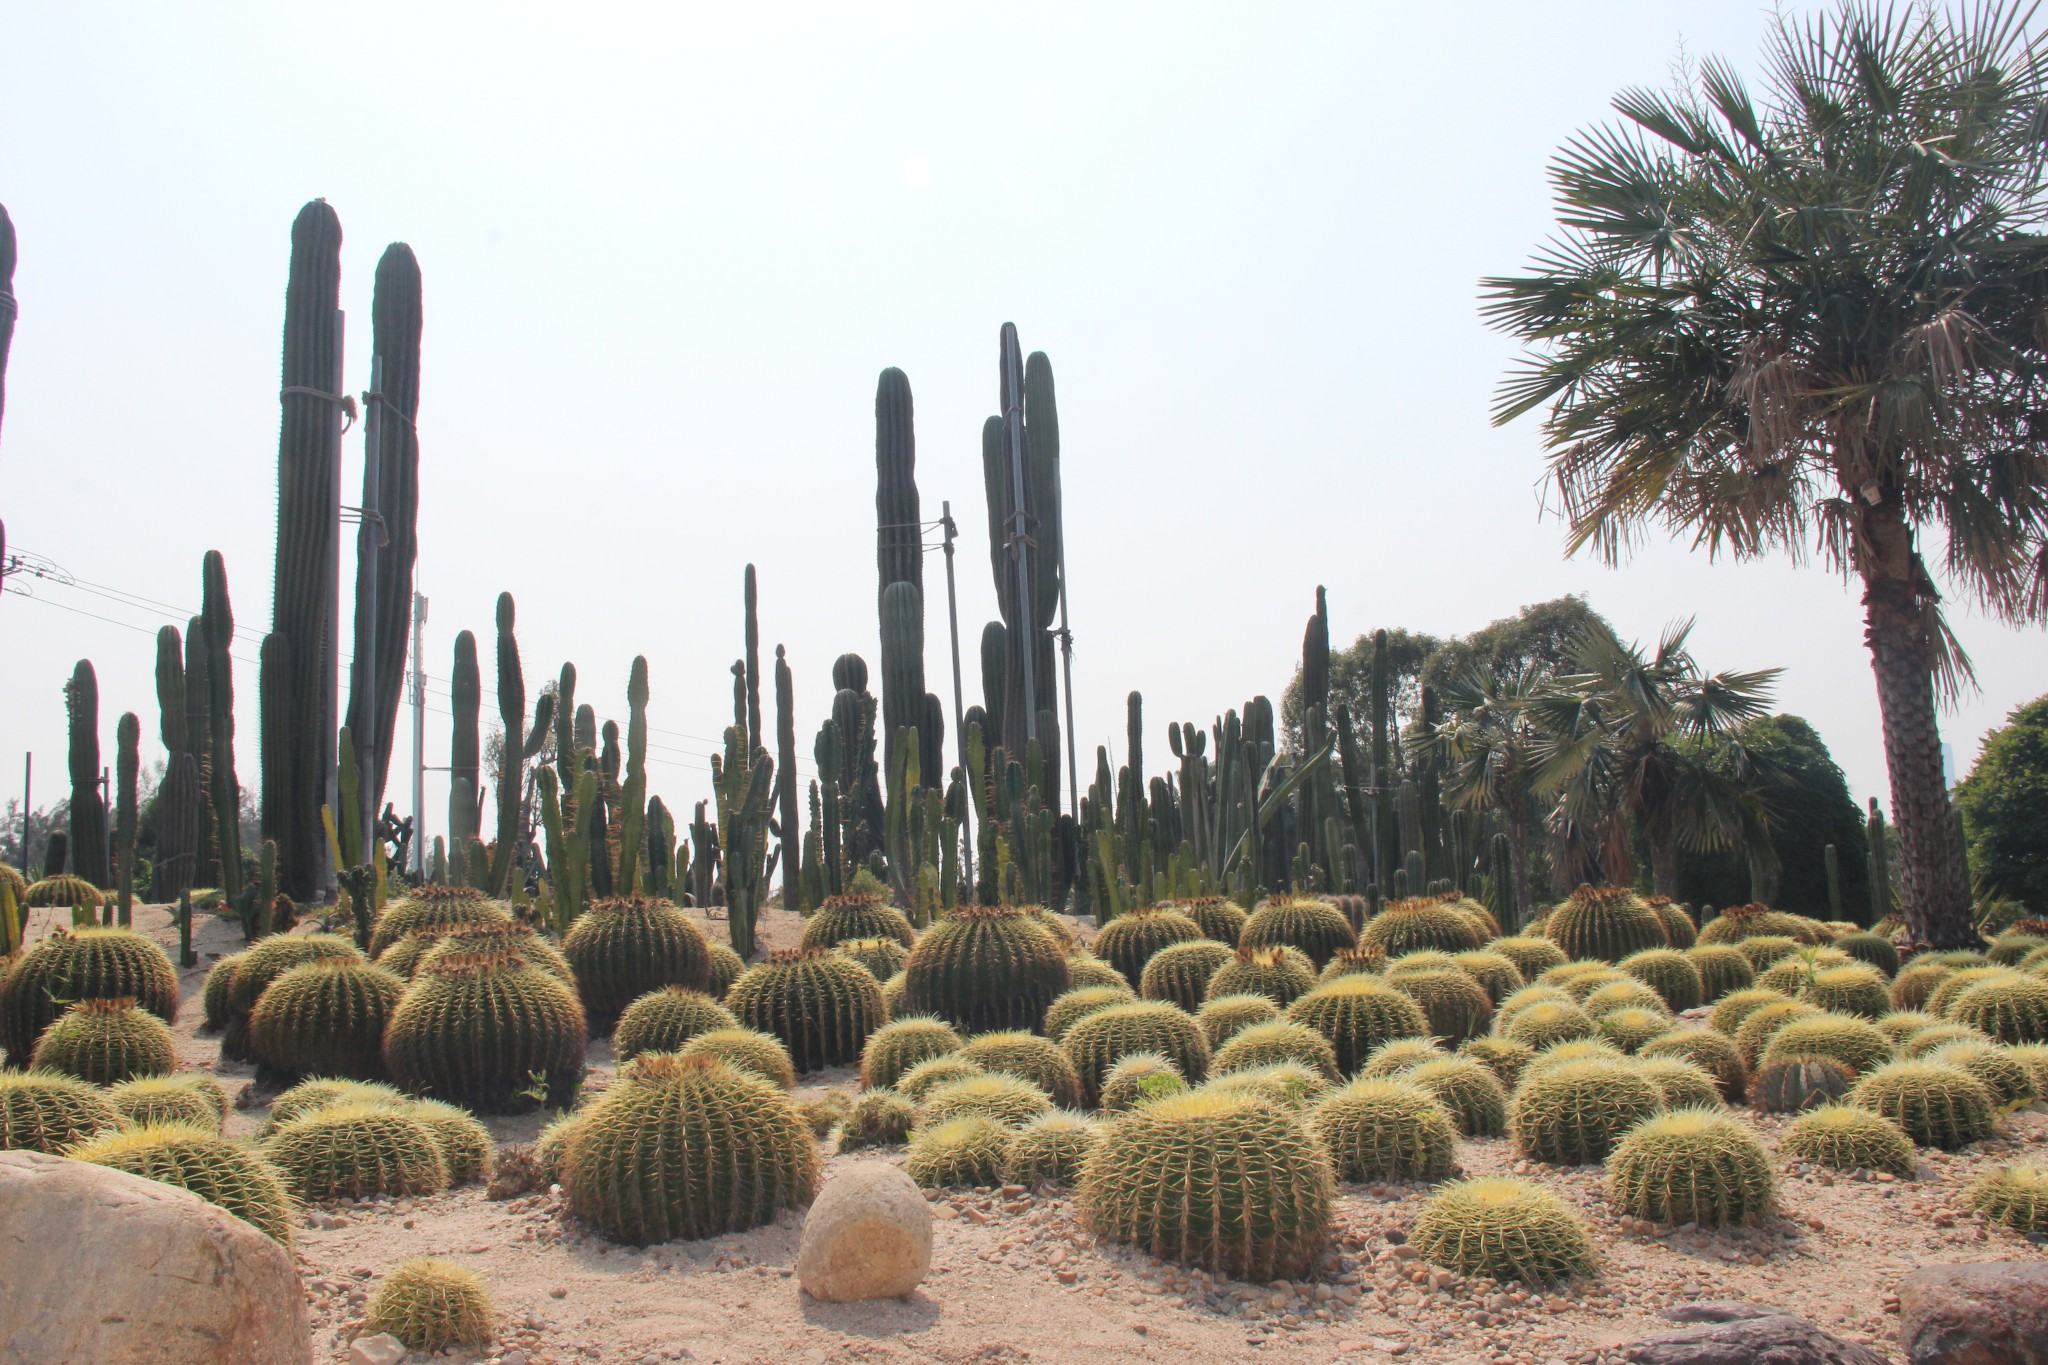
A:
(1014, 1276)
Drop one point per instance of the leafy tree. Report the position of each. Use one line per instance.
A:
(1816, 323)
(1535, 639)
(1351, 683)
(1487, 747)
(2004, 802)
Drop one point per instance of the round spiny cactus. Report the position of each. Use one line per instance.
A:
(188, 1097)
(213, 996)
(1922, 1041)
(744, 1049)
(1397, 1055)
(1628, 1029)
(963, 1151)
(821, 1005)
(82, 964)
(1935, 1104)
(1576, 1050)
(1129, 941)
(2016, 1196)
(1899, 1025)
(1854, 1042)
(687, 1147)
(1626, 994)
(1281, 1040)
(1077, 1004)
(432, 1305)
(1139, 1079)
(1503, 1058)
(1955, 985)
(928, 1075)
(822, 1113)
(433, 907)
(2034, 1057)
(1009, 1100)
(1497, 975)
(1532, 954)
(1482, 918)
(1281, 974)
(1793, 974)
(1677, 922)
(1580, 980)
(1180, 972)
(1097, 1042)
(465, 939)
(1456, 1006)
(1734, 1009)
(2007, 1078)
(1915, 982)
(1789, 1082)
(879, 1118)
(1605, 922)
(310, 1096)
(264, 963)
(901, 1044)
(1286, 1085)
(1740, 923)
(198, 1159)
(1524, 998)
(1547, 1024)
(1357, 962)
(1221, 1016)
(1671, 974)
(1723, 971)
(1680, 1084)
(42, 1111)
(892, 995)
(1218, 917)
(1386, 1130)
(1469, 1090)
(1505, 1230)
(1029, 1057)
(1763, 1024)
(2007, 1009)
(664, 1020)
(842, 919)
(621, 949)
(1766, 951)
(1845, 1138)
(1085, 970)
(353, 1151)
(552, 1144)
(61, 891)
(1416, 963)
(106, 1042)
(1219, 1180)
(883, 957)
(986, 967)
(726, 967)
(1309, 923)
(489, 1033)
(1710, 1050)
(466, 1146)
(1873, 950)
(1359, 1014)
(1407, 926)
(2013, 946)
(1695, 1166)
(326, 1018)
(1573, 1113)
(1854, 988)
(1958, 959)
(1049, 1150)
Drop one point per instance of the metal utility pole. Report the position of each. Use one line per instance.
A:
(1012, 363)
(967, 773)
(369, 541)
(419, 738)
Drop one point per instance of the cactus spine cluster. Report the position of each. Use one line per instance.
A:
(1049, 1150)
(1315, 927)
(1097, 1042)
(354, 1151)
(2016, 1196)
(1180, 972)
(744, 1049)
(1221, 1016)
(1608, 923)
(1573, 1113)
(432, 1305)
(1129, 941)
(1029, 1057)
(964, 1150)
(1281, 974)
(1935, 1105)
(1845, 1138)
(664, 1020)
(42, 1111)
(326, 1018)
(879, 1118)
(1358, 1014)
(194, 1158)
(433, 907)
(188, 1098)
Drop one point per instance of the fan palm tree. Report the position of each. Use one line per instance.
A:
(1486, 746)
(1818, 322)
(1609, 749)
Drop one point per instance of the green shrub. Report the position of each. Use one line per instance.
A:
(620, 949)
(432, 1306)
(106, 1042)
(1572, 1114)
(986, 967)
(1691, 1166)
(1386, 1130)
(664, 1020)
(1504, 1230)
(1935, 1104)
(198, 1159)
(901, 1044)
(1845, 1138)
(1311, 924)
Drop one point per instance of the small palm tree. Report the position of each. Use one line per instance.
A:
(1819, 322)
(1486, 745)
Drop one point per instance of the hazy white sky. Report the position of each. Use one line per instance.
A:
(668, 248)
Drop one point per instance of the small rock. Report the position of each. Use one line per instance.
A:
(1734, 1333)
(867, 1236)
(382, 1349)
(558, 1292)
(1991, 1312)
(515, 1356)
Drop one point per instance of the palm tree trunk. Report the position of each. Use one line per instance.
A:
(1664, 868)
(1896, 601)
(1518, 855)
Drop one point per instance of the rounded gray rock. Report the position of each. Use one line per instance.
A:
(867, 1236)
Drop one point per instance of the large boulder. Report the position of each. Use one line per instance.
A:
(1733, 1333)
(1993, 1313)
(99, 1265)
(868, 1236)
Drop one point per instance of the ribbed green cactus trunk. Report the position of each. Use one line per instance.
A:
(785, 778)
(8, 308)
(127, 810)
(465, 752)
(1880, 857)
(751, 591)
(88, 812)
(511, 774)
(395, 322)
(223, 787)
(304, 588)
(178, 802)
(633, 791)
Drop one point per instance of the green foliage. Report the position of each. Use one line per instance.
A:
(1573, 1113)
(1358, 1014)
(1029, 1057)
(745, 1049)
(664, 1020)
(1281, 974)
(83, 964)
(432, 1305)
(1709, 1049)
(189, 1097)
(2004, 802)
(1843, 1137)
(196, 1158)
(879, 1118)
(842, 919)
(1411, 925)
(106, 1042)
(1723, 970)
(1505, 1230)
(1936, 1105)
(1221, 1181)
(326, 1018)
(42, 1111)
(620, 949)
(1049, 1150)
(1180, 972)
(2016, 1196)
(687, 1147)
(354, 1151)
(433, 907)
(1787, 1082)
(489, 1032)
(1386, 1130)
(986, 967)
(1691, 1166)
(1098, 1041)
(823, 1006)
(1269, 1044)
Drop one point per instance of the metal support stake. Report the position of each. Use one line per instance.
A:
(419, 738)
(967, 773)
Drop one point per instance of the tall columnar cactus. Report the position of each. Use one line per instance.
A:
(902, 612)
(899, 556)
(299, 720)
(632, 797)
(1880, 865)
(88, 812)
(465, 750)
(749, 680)
(127, 770)
(746, 794)
(178, 799)
(785, 776)
(392, 546)
(224, 790)
(520, 745)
